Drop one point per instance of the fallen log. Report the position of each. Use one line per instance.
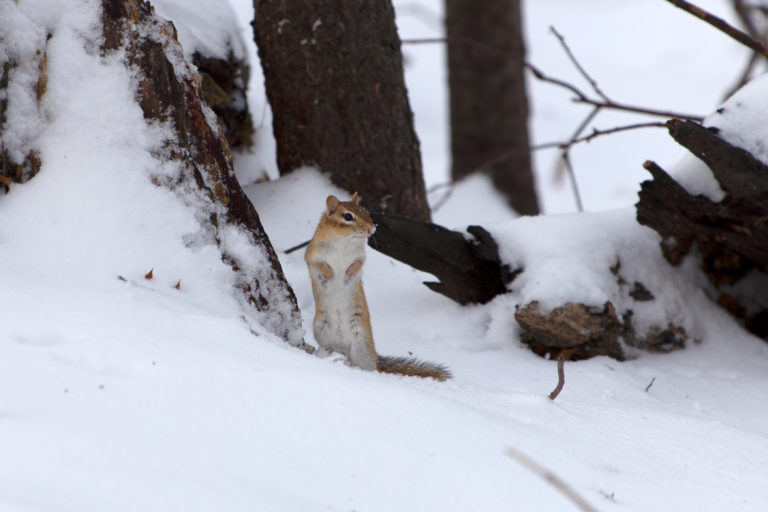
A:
(731, 235)
(468, 270)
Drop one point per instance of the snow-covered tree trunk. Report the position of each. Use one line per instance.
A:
(168, 91)
(334, 78)
(193, 159)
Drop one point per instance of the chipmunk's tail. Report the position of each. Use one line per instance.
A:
(412, 367)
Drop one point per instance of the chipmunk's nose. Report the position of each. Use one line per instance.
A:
(371, 230)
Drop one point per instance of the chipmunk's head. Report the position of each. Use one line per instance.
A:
(348, 217)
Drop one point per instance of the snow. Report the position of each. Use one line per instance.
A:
(204, 27)
(123, 393)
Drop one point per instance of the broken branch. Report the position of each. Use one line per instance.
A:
(723, 26)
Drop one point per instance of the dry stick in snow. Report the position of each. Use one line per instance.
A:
(553, 479)
(560, 374)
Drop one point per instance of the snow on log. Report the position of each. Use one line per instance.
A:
(731, 235)
(168, 91)
(582, 303)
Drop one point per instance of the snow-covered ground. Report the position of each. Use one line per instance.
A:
(122, 393)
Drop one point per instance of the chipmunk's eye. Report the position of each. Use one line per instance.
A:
(349, 217)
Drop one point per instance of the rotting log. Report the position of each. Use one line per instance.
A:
(469, 271)
(730, 235)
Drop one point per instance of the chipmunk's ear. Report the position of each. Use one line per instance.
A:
(331, 203)
(355, 199)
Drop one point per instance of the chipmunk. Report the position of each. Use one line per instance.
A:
(342, 324)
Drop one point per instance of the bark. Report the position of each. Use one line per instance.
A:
(731, 235)
(580, 332)
(488, 100)
(469, 271)
(168, 91)
(334, 79)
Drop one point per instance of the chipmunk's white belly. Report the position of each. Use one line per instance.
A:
(337, 327)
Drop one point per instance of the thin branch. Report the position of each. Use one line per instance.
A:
(597, 133)
(578, 65)
(723, 26)
(572, 176)
(567, 157)
(552, 479)
(648, 387)
(604, 102)
(581, 96)
(641, 110)
(297, 247)
(744, 12)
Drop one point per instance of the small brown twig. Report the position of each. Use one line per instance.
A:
(723, 26)
(552, 479)
(597, 133)
(650, 384)
(560, 374)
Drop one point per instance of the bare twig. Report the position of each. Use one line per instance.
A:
(574, 186)
(602, 101)
(581, 96)
(650, 384)
(297, 247)
(745, 11)
(437, 205)
(597, 133)
(560, 374)
(723, 26)
(552, 479)
(577, 64)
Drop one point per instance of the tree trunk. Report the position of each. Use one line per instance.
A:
(334, 78)
(169, 92)
(488, 102)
